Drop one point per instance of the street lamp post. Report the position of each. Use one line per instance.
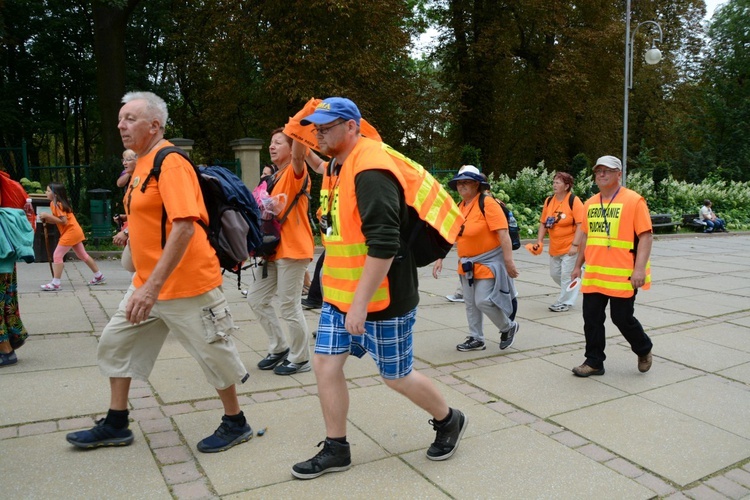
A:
(652, 56)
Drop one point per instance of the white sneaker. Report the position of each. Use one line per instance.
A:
(559, 307)
(455, 297)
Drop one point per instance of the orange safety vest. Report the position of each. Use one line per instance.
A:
(609, 258)
(344, 242)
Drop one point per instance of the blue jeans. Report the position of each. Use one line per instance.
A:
(717, 225)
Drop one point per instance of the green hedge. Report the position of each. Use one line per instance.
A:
(525, 195)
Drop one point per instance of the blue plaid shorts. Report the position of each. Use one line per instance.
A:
(389, 341)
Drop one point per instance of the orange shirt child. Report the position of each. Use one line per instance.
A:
(70, 233)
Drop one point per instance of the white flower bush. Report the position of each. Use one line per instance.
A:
(525, 195)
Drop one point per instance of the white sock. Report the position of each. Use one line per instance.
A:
(55, 281)
(98, 274)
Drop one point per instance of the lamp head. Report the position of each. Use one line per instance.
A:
(653, 55)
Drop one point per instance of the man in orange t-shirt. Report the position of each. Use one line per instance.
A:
(176, 287)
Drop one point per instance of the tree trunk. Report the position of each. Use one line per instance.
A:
(109, 48)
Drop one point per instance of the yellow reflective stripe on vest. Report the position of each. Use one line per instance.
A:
(339, 297)
(341, 250)
(604, 242)
(611, 271)
(608, 285)
(343, 273)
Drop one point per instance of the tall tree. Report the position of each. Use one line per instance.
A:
(727, 73)
(110, 19)
(538, 80)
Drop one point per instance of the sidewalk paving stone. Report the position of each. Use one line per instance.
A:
(535, 430)
(658, 438)
(63, 471)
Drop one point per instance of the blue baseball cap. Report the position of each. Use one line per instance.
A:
(331, 109)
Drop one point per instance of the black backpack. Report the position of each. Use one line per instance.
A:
(425, 242)
(233, 216)
(513, 232)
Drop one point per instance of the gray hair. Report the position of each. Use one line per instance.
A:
(155, 105)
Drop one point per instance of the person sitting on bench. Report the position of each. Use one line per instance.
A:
(713, 223)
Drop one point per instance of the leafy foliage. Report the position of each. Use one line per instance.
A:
(525, 193)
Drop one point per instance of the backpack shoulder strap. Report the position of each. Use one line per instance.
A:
(571, 199)
(156, 172)
(302, 191)
(546, 202)
(159, 159)
(482, 196)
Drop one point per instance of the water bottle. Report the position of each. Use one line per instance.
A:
(515, 237)
(512, 223)
(30, 213)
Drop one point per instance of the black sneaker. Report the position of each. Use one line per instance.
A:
(507, 338)
(334, 457)
(449, 434)
(228, 434)
(272, 360)
(311, 304)
(100, 435)
(289, 368)
(471, 344)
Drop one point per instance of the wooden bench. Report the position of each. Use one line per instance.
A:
(693, 221)
(664, 222)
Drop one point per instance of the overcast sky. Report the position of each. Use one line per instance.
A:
(711, 7)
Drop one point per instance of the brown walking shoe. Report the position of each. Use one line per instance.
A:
(585, 370)
(644, 362)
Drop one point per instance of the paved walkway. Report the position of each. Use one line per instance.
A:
(681, 430)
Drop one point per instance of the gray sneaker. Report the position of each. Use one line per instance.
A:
(456, 297)
(448, 436)
(507, 338)
(471, 344)
(289, 368)
(270, 361)
(334, 457)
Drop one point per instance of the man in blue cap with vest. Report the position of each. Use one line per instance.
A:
(369, 286)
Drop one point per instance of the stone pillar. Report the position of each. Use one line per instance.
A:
(184, 144)
(247, 150)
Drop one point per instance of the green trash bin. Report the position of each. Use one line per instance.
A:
(101, 214)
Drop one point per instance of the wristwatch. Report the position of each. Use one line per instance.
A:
(127, 232)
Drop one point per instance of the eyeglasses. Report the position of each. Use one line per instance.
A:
(324, 131)
(129, 159)
(605, 171)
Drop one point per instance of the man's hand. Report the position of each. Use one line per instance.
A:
(355, 320)
(140, 304)
(437, 268)
(120, 239)
(638, 278)
(576, 273)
